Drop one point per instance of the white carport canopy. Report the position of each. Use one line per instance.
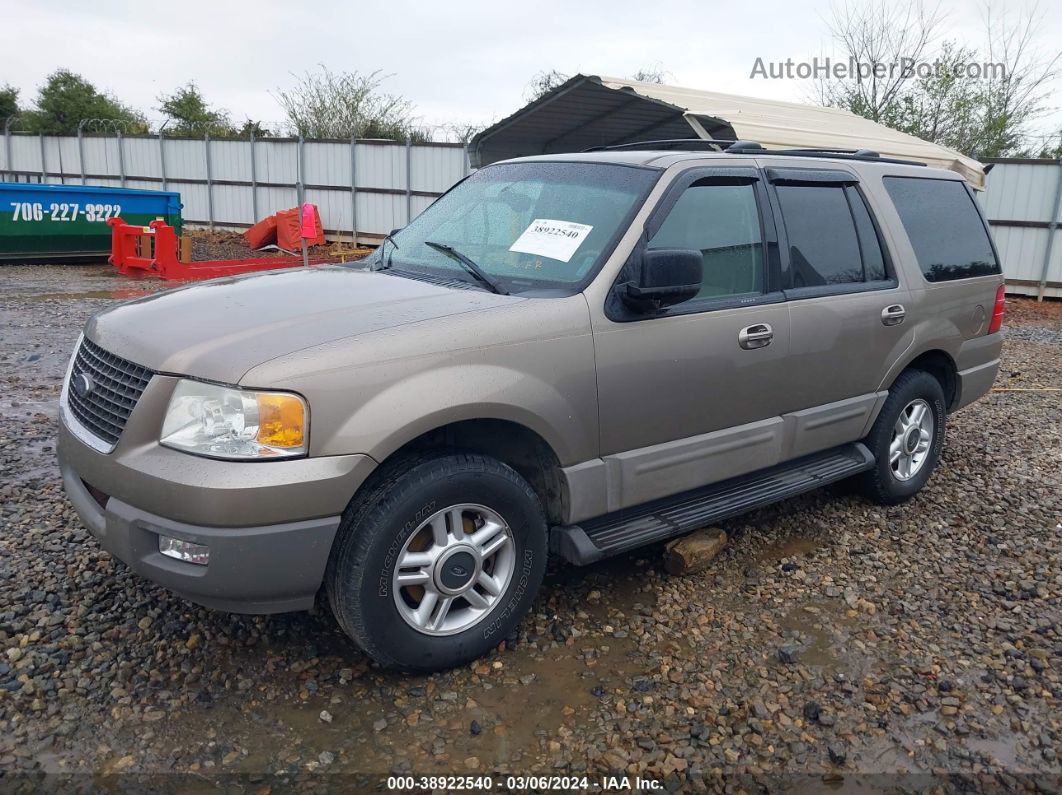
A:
(588, 111)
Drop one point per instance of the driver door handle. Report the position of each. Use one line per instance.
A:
(756, 336)
(893, 315)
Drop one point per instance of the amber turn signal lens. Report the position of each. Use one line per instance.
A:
(281, 420)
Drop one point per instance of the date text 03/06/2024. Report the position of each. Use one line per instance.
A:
(516, 783)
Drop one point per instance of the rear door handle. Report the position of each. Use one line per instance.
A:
(893, 315)
(757, 336)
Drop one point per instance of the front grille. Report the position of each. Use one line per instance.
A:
(116, 387)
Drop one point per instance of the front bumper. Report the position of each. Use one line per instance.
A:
(268, 569)
(269, 525)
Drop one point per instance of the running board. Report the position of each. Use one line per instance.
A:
(633, 527)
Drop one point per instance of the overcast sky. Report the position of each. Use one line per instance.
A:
(467, 62)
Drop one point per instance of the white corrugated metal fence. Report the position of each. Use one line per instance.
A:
(375, 186)
(371, 185)
(1023, 202)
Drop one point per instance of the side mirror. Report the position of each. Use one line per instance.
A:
(669, 276)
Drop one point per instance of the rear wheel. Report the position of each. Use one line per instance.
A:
(907, 438)
(438, 561)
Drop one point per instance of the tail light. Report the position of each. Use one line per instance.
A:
(997, 311)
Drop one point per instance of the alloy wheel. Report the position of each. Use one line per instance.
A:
(912, 439)
(453, 569)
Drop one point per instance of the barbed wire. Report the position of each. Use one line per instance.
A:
(124, 126)
(443, 131)
(446, 132)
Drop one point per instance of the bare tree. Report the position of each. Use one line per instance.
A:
(1050, 146)
(983, 111)
(328, 104)
(943, 106)
(651, 74)
(542, 83)
(879, 32)
(546, 80)
(1018, 93)
(461, 131)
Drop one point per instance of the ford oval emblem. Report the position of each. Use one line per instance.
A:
(83, 385)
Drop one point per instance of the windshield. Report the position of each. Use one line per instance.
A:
(527, 225)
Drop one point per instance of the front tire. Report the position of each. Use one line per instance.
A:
(437, 561)
(907, 438)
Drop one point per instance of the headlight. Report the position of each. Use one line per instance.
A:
(224, 422)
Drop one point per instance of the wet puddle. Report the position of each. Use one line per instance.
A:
(383, 722)
(1000, 752)
(506, 710)
(821, 629)
(789, 548)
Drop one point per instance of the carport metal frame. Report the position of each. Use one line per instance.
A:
(630, 101)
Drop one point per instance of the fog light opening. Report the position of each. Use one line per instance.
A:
(99, 496)
(184, 550)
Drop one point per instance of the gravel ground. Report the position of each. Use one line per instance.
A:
(833, 642)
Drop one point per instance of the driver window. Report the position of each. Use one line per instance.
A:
(722, 222)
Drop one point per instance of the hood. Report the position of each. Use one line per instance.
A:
(218, 330)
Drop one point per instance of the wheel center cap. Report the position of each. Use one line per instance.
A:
(455, 572)
(910, 442)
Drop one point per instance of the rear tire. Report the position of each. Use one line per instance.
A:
(907, 438)
(437, 561)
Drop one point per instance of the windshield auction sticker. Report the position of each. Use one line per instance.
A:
(554, 239)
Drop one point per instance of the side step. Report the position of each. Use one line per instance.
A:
(633, 527)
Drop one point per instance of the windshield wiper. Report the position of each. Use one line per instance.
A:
(472, 267)
(385, 265)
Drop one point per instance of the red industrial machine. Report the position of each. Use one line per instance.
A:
(153, 251)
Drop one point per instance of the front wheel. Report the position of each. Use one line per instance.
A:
(907, 438)
(437, 562)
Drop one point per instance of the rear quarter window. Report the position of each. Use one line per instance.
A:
(945, 229)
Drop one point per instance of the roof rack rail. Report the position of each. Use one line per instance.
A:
(865, 155)
(669, 143)
(822, 149)
(755, 148)
(869, 154)
(742, 147)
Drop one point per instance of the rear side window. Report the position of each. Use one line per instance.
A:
(832, 239)
(949, 239)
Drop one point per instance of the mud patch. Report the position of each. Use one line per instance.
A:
(118, 294)
(789, 548)
(823, 630)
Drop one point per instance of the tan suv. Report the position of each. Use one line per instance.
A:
(570, 355)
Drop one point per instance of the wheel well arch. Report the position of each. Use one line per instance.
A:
(941, 366)
(509, 442)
